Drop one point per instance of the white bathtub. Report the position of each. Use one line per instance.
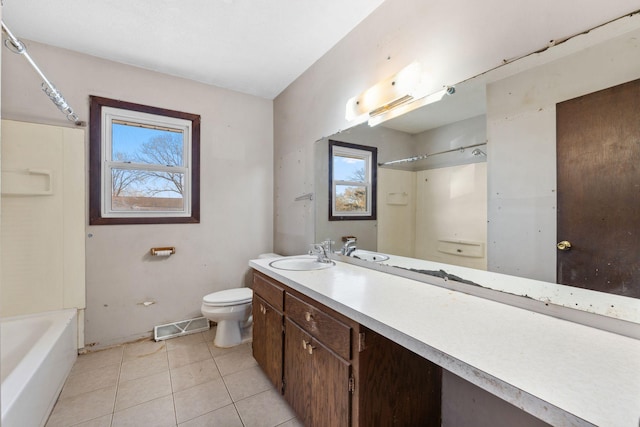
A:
(38, 352)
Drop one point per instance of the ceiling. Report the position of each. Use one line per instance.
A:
(256, 47)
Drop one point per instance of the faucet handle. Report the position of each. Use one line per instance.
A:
(321, 251)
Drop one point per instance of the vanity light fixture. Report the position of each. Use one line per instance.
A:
(381, 101)
(406, 107)
(385, 95)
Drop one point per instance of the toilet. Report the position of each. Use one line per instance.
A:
(231, 310)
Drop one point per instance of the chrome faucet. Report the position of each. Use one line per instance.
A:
(348, 247)
(321, 250)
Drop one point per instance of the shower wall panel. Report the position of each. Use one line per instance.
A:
(43, 193)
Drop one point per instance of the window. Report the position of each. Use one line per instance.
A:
(144, 164)
(352, 181)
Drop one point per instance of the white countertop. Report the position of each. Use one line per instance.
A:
(559, 371)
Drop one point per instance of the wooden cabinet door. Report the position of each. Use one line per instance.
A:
(331, 403)
(297, 371)
(316, 380)
(268, 340)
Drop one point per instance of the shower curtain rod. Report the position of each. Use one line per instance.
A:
(47, 87)
(424, 156)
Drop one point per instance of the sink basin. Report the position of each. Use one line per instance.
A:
(369, 256)
(302, 263)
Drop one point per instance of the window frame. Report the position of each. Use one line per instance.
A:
(100, 161)
(370, 155)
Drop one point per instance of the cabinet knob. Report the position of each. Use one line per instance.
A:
(310, 348)
(305, 344)
(308, 317)
(263, 309)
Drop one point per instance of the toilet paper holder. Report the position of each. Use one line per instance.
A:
(164, 251)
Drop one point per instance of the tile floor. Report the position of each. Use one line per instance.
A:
(183, 381)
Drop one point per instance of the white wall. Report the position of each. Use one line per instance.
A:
(451, 206)
(462, 133)
(521, 127)
(396, 212)
(236, 196)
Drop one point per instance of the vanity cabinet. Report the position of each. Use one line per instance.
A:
(334, 371)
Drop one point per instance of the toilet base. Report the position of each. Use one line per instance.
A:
(229, 334)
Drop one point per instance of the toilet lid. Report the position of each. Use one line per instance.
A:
(229, 297)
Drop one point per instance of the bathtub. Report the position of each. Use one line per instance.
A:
(38, 351)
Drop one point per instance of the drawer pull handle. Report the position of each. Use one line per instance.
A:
(263, 309)
(310, 349)
(305, 344)
(308, 317)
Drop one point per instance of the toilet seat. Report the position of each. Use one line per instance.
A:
(228, 297)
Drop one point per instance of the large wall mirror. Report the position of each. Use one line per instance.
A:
(483, 195)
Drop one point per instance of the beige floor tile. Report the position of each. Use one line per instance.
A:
(246, 348)
(210, 334)
(266, 409)
(292, 423)
(143, 349)
(140, 366)
(83, 407)
(223, 417)
(134, 392)
(104, 421)
(148, 372)
(187, 354)
(83, 382)
(193, 374)
(201, 399)
(246, 383)
(155, 413)
(235, 362)
(186, 340)
(217, 351)
(97, 359)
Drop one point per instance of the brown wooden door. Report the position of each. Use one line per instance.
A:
(268, 340)
(598, 163)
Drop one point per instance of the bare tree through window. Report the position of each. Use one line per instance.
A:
(166, 150)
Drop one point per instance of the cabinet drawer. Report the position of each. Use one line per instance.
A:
(268, 290)
(331, 332)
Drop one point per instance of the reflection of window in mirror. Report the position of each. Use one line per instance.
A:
(352, 181)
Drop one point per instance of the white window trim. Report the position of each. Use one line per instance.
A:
(108, 115)
(368, 184)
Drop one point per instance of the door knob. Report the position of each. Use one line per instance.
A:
(564, 245)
